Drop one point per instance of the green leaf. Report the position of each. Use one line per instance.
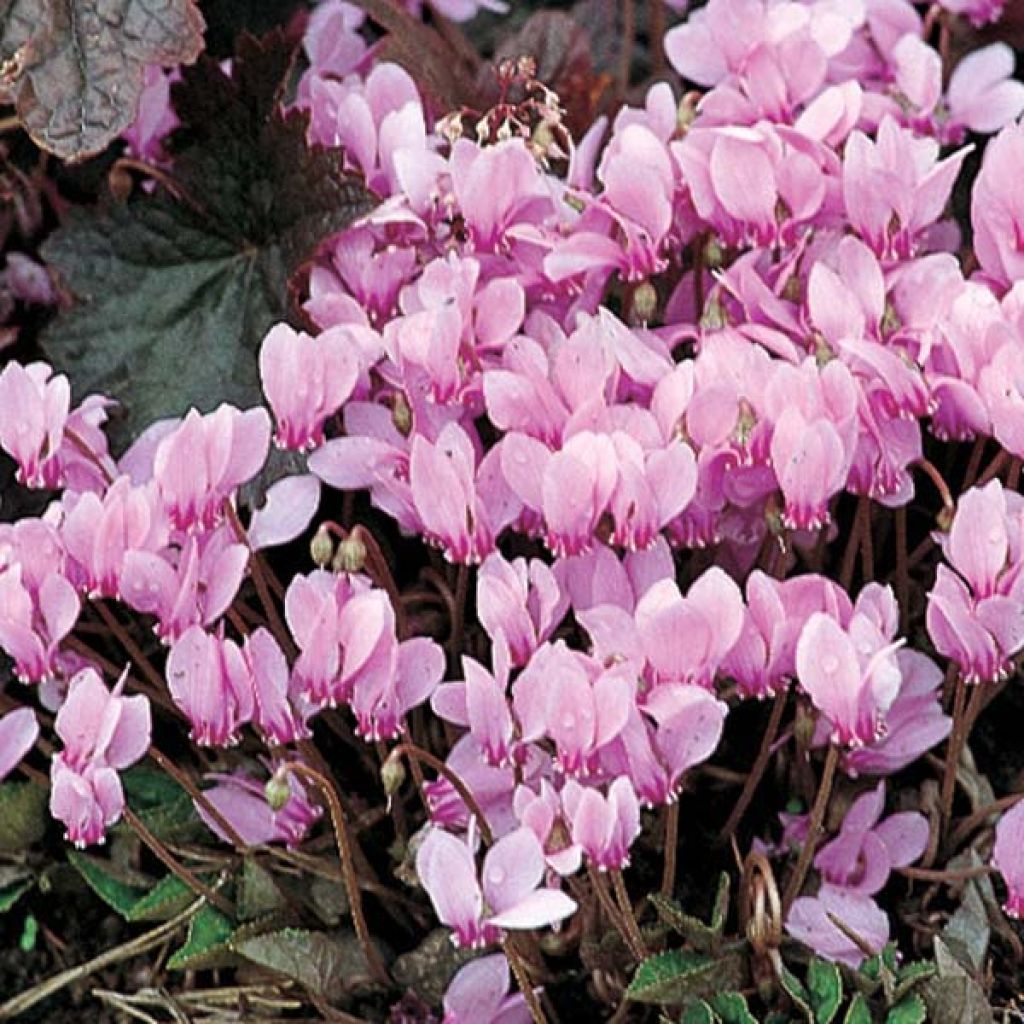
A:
(162, 805)
(796, 991)
(826, 989)
(258, 894)
(912, 974)
(10, 894)
(108, 881)
(953, 996)
(429, 967)
(858, 1012)
(732, 1008)
(699, 1013)
(703, 936)
(177, 289)
(910, 1010)
(82, 65)
(967, 933)
(720, 910)
(678, 975)
(168, 897)
(206, 945)
(24, 815)
(328, 964)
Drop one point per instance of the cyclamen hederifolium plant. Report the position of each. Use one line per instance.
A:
(637, 508)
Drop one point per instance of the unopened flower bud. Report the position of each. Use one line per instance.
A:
(645, 301)
(321, 547)
(277, 791)
(350, 556)
(401, 415)
(392, 774)
(714, 253)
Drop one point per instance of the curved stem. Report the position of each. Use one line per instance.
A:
(954, 748)
(813, 829)
(410, 750)
(355, 899)
(604, 897)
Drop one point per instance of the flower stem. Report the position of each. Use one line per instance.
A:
(412, 752)
(668, 874)
(813, 829)
(954, 748)
(600, 886)
(753, 779)
(523, 981)
(626, 909)
(355, 899)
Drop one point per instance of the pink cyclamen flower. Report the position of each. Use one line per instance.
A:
(505, 897)
(685, 639)
(34, 407)
(279, 712)
(210, 682)
(478, 994)
(523, 601)
(33, 624)
(306, 380)
(604, 826)
(199, 465)
(1008, 857)
(976, 618)
(241, 799)
(99, 531)
(866, 850)
(850, 673)
(19, 731)
(808, 920)
(997, 208)
(103, 733)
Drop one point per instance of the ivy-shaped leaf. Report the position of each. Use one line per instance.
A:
(258, 894)
(794, 988)
(678, 975)
(911, 975)
(825, 987)
(703, 936)
(112, 885)
(699, 1013)
(168, 897)
(732, 1008)
(858, 1012)
(910, 1010)
(206, 945)
(176, 289)
(328, 964)
(79, 64)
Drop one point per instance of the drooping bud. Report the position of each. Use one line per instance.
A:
(277, 791)
(321, 547)
(645, 301)
(401, 415)
(350, 556)
(392, 773)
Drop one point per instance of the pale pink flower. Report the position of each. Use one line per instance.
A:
(198, 466)
(103, 733)
(32, 625)
(210, 682)
(1008, 857)
(34, 407)
(604, 826)
(19, 731)
(306, 380)
(478, 994)
(506, 896)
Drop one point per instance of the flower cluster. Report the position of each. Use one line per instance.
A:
(648, 497)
